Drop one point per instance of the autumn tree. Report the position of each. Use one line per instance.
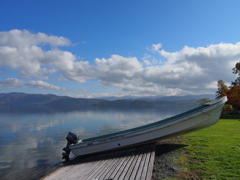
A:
(232, 92)
(203, 101)
(234, 95)
(236, 70)
(222, 88)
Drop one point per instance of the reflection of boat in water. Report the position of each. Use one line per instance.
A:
(192, 120)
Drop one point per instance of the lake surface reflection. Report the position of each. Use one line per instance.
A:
(31, 140)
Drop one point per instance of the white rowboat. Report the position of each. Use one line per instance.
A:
(192, 120)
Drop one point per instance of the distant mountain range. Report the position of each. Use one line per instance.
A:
(50, 100)
(161, 98)
(187, 97)
(22, 99)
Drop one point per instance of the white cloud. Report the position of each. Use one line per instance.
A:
(11, 83)
(23, 38)
(214, 61)
(44, 85)
(156, 47)
(116, 69)
(187, 71)
(22, 51)
(15, 83)
(147, 62)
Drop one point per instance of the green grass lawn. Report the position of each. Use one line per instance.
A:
(212, 153)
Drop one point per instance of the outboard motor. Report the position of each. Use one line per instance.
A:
(72, 138)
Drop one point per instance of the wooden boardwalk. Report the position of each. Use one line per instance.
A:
(134, 163)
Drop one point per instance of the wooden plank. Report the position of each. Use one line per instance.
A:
(147, 163)
(136, 169)
(94, 170)
(145, 166)
(121, 163)
(151, 162)
(81, 174)
(112, 166)
(139, 174)
(128, 166)
(104, 166)
(134, 165)
(110, 173)
(69, 168)
(75, 169)
(78, 170)
(117, 161)
(121, 169)
(58, 173)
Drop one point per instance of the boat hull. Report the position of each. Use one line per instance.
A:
(179, 126)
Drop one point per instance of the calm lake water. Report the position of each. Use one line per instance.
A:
(31, 140)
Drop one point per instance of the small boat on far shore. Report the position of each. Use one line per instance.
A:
(195, 119)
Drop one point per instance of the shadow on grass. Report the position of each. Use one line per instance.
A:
(235, 116)
(166, 148)
(166, 159)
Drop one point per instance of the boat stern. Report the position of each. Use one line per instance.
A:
(72, 138)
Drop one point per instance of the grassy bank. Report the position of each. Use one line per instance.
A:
(212, 153)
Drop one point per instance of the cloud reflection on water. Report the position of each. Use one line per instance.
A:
(34, 141)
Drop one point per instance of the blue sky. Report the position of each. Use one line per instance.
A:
(118, 48)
